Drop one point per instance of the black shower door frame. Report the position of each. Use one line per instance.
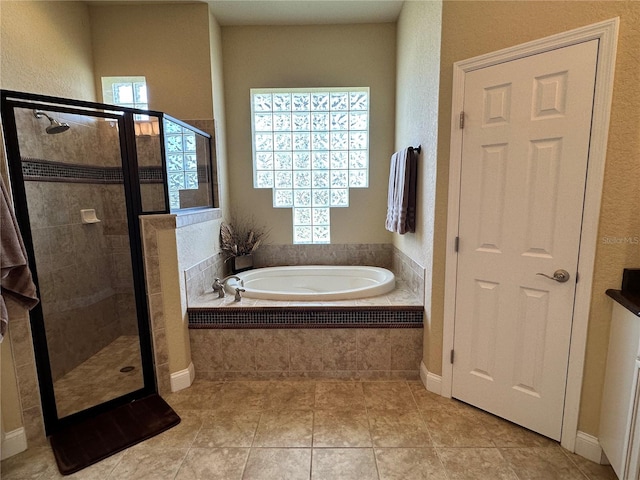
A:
(125, 118)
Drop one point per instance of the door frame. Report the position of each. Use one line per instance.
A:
(607, 34)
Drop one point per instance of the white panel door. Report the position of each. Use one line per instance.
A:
(524, 162)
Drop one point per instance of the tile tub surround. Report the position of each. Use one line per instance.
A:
(409, 274)
(375, 337)
(331, 353)
(307, 429)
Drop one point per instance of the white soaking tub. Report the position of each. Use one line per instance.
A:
(314, 282)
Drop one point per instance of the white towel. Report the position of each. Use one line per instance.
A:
(401, 201)
(15, 276)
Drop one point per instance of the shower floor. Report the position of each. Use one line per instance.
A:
(99, 378)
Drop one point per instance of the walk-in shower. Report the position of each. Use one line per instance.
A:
(78, 197)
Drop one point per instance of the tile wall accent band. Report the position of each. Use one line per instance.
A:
(306, 317)
(35, 169)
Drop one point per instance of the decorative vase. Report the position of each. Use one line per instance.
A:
(241, 263)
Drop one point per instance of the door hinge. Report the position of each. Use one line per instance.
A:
(577, 276)
(456, 245)
(451, 358)
(461, 120)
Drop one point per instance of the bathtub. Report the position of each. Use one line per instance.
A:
(314, 282)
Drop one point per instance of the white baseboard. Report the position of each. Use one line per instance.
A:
(588, 446)
(431, 381)
(183, 378)
(13, 442)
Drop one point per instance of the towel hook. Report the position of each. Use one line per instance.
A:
(417, 149)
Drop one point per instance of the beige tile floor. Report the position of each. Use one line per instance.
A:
(99, 378)
(334, 430)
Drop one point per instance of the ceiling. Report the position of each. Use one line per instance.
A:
(304, 12)
(288, 12)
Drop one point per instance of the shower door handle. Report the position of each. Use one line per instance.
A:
(559, 276)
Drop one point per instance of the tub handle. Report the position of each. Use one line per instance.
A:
(239, 290)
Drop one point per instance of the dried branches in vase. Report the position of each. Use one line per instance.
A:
(241, 238)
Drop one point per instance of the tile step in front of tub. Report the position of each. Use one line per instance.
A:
(307, 317)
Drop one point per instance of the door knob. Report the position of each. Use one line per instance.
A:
(560, 275)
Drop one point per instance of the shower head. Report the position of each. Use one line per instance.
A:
(55, 126)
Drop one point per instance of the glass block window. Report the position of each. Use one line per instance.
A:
(126, 92)
(310, 146)
(182, 160)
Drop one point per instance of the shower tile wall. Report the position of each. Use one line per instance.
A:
(84, 271)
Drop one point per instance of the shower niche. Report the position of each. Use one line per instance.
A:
(82, 174)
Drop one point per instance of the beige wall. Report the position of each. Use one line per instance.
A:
(168, 44)
(311, 56)
(219, 113)
(45, 48)
(417, 79)
(471, 28)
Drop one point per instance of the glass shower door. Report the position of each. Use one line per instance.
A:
(79, 212)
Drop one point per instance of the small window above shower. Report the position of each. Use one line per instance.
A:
(126, 92)
(187, 152)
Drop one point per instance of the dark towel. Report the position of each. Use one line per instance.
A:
(15, 276)
(401, 203)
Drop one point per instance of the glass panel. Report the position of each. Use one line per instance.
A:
(321, 234)
(283, 161)
(320, 101)
(321, 216)
(262, 102)
(340, 121)
(302, 216)
(340, 101)
(84, 269)
(302, 198)
(358, 178)
(301, 101)
(282, 122)
(320, 122)
(321, 179)
(302, 179)
(301, 121)
(140, 93)
(320, 141)
(189, 169)
(282, 141)
(302, 234)
(264, 161)
(264, 179)
(302, 161)
(282, 102)
(339, 179)
(282, 198)
(283, 180)
(339, 197)
(123, 93)
(320, 198)
(149, 151)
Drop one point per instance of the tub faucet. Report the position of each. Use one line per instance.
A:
(218, 285)
(232, 277)
(238, 297)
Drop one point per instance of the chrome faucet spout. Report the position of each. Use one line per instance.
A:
(232, 277)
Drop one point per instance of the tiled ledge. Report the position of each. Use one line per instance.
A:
(397, 309)
(401, 296)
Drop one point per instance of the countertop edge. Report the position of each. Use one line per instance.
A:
(630, 302)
